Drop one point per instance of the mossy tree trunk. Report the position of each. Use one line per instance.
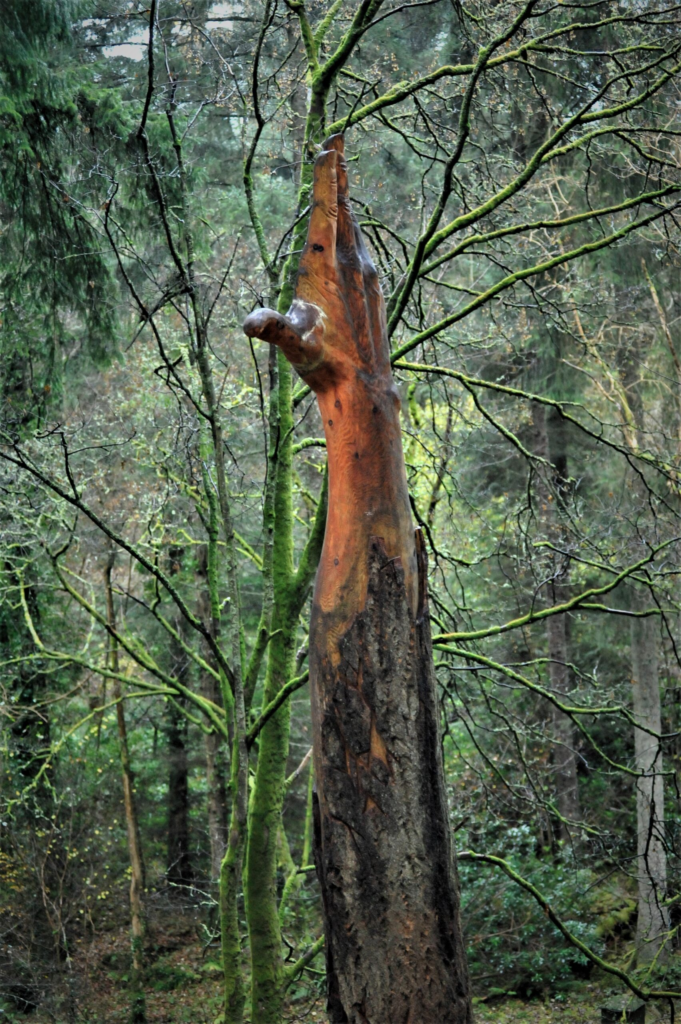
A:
(290, 587)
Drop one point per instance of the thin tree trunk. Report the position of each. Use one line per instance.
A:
(216, 767)
(137, 879)
(179, 859)
(653, 918)
(551, 444)
(384, 858)
(220, 514)
(233, 698)
(558, 628)
(298, 116)
(567, 790)
(229, 873)
(216, 761)
(286, 590)
(264, 823)
(179, 870)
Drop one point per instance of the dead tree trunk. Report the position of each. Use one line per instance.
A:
(383, 851)
(384, 858)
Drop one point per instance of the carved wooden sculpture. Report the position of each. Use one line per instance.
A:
(393, 939)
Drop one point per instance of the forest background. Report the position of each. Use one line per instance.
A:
(515, 170)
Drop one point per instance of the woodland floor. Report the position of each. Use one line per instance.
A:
(581, 1009)
(184, 988)
(183, 981)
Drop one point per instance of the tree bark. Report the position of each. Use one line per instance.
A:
(216, 760)
(394, 947)
(552, 445)
(216, 771)
(179, 859)
(383, 850)
(179, 872)
(653, 918)
(137, 879)
(567, 790)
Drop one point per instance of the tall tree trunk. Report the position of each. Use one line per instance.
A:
(216, 771)
(551, 444)
(384, 858)
(216, 760)
(286, 590)
(137, 880)
(567, 790)
(557, 626)
(264, 824)
(180, 871)
(653, 918)
(32, 764)
(179, 859)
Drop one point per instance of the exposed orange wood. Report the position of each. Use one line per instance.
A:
(334, 335)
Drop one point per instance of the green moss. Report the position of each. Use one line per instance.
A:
(235, 995)
(616, 914)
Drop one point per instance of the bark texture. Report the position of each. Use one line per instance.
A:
(383, 850)
(180, 871)
(653, 919)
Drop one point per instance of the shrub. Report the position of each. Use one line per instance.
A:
(512, 946)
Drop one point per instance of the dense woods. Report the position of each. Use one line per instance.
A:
(496, 259)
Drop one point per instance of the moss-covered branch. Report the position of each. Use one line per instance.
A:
(294, 970)
(561, 407)
(558, 609)
(574, 940)
(14, 455)
(540, 268)
(571, 711)
(273, 706)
